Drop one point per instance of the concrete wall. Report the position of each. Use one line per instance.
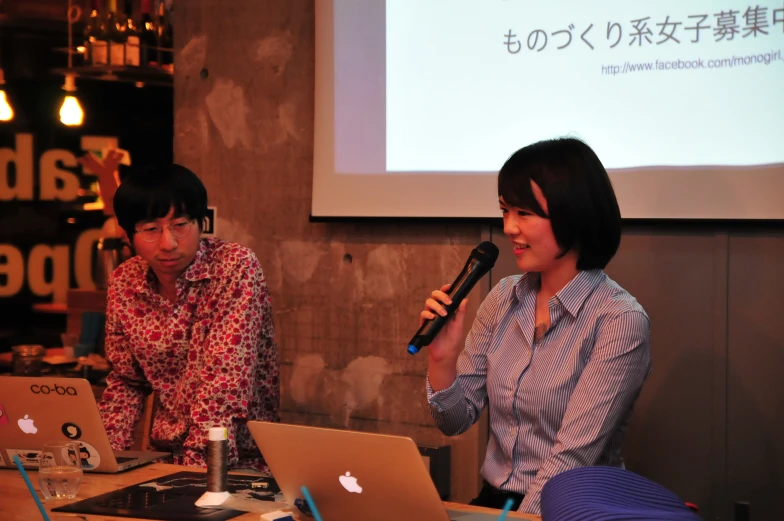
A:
(346, 297)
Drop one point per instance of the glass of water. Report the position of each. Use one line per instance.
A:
(60, 472)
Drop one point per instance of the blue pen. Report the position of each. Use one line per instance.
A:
(309, 499)
(507, 508)
(30, 487)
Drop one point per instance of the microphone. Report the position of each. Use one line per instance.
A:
(481, 260)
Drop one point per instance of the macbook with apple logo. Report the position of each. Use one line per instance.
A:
(38, 410)
(353, 476)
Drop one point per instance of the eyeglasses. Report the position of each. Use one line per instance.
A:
(153, 232)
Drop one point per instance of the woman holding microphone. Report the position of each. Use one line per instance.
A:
(557, 354)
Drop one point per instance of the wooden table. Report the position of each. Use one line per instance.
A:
(17, 505)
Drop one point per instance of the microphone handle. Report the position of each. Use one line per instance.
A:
(458, 290)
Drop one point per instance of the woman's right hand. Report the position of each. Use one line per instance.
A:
(446, 346)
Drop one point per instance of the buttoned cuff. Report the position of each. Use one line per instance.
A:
(445, 399)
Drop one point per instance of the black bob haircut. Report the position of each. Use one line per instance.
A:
(583, 210)
(150, 192)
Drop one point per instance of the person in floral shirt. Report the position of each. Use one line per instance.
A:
(189, 318)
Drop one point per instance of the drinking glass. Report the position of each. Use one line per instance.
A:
(60, 472)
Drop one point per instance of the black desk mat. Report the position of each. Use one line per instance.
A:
(172, 498)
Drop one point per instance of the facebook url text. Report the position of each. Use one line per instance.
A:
(698, 63)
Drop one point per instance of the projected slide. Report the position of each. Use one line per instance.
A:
(646, 84)
(419, 103)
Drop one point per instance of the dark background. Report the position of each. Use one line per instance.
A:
(141, 119)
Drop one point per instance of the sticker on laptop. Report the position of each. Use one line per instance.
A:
(71, 431)
(89, 456)
(3, 415)
(28, 457)
(303, 507)
(47, 458)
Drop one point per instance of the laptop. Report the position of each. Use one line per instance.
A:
(353, 476)
(37, 410)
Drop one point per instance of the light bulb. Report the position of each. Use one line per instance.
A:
(6, 112)
(71, 113)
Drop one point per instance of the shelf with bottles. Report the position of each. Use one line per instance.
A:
(118, 46)
(141, 76)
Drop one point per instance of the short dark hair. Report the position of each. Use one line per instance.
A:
(150, 192)
(583, 210)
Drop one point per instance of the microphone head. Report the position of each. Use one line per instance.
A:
(486, 253)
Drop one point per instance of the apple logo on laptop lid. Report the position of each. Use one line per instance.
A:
(27, 425)
(349, 482)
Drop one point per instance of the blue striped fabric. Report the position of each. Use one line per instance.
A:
(557, 403)
(610, 494)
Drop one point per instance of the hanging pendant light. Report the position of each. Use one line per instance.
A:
(6, 110)
(71, 113)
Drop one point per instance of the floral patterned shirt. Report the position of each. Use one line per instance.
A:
(210, 357)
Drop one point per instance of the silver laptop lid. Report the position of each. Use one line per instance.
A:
(37, 410)
(352, 476)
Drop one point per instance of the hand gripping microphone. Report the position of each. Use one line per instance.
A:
(481, 260)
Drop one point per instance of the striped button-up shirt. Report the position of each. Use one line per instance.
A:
(555, 403)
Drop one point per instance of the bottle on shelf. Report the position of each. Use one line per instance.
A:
(132, 37)
(115, 35)
(96, 50)
(148, 36)
(165, 37)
